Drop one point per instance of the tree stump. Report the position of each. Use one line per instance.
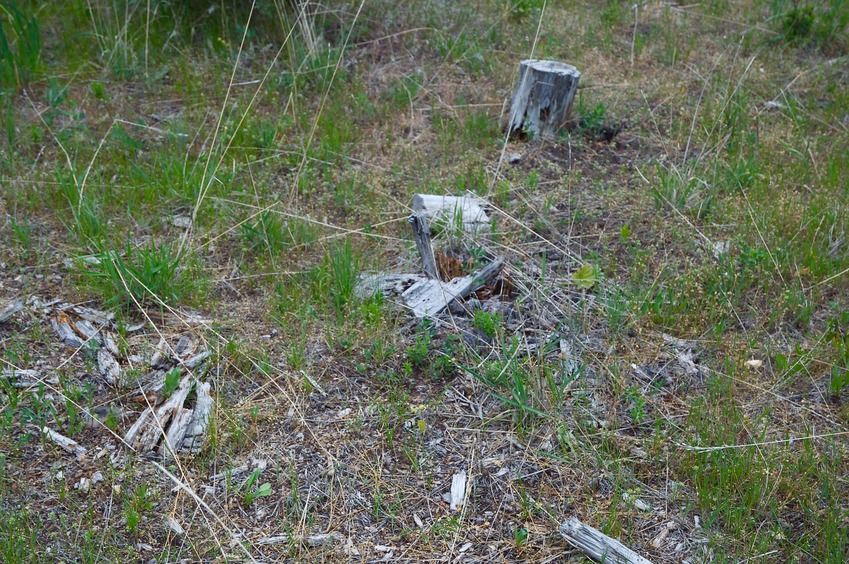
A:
(542, 100)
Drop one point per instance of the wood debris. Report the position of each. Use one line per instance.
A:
(24, 378)
(67, 444)
(428, 298)
(458, 491)
(108, 367)
(597, 545)
(173, 427)
(11, 309)
(62, 325)
(453, 211)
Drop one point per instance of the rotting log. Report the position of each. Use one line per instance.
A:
(542, 101)
(597, 545)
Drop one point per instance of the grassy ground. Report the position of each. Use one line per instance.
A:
(670, 366)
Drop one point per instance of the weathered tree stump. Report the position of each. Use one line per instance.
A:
(542, 100)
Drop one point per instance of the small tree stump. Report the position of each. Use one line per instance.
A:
(542, 100)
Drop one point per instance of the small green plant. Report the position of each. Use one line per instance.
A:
(587, 276)
(22, 230)
(266, 234)
(419, 351)
(251, 493)
(172, 381)
(520, 537)
(135, 506)
(487, 322)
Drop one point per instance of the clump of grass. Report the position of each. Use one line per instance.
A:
(145, 275)
(20, 45)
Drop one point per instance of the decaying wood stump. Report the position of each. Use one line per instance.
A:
(542, 100)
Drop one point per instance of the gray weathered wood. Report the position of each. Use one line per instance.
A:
(67, 334)
(176, 433)
(108, 367)
(11, 309)
(186, 346)
(199, 425)
(421, 234)
(448, 209)
(387, 284)
(27, 378)
(87, 330)
(145, 433)
(597, 545)
(458, 491)
(111, 344)
(542, 101)
(67, 444)
(196, 360)
(428, 298)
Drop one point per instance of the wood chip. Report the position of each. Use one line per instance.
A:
(186, 346)
(62, 325)
(458, 490)
(146, 432)
(195, 361)
(100, 318)
(387, 284)
(111, 343)
(11, 309)
(86, 330)
(160, 354)
(597, 545)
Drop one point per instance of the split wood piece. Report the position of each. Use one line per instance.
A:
(176, 433)
(428, 298)
(149, 388)
(196, 432)
(67, 444)
(160, 354)
(87, 331)
(62, 325)
(447, 210)
(145, 433)
(196, 360)
(421, 234)
(542, 101)
(99, 318)
(111, 344)
(11, 309)
(597, 545)
(108, 367)
(27, 378)
(387, 284)
(186, 346)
